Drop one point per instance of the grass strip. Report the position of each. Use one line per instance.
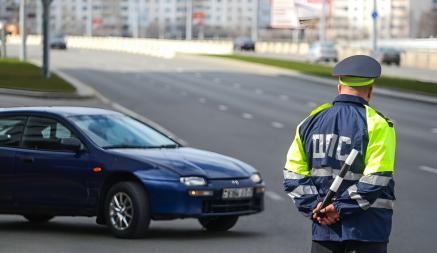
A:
(407, 85)
(15, 74)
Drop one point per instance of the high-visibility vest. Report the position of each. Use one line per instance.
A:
(321, 144)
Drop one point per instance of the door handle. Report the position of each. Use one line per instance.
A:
(27, 159)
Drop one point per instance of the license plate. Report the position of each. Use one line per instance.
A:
(237, 193)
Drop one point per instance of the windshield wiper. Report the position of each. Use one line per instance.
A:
(123, 146)
(165, 146)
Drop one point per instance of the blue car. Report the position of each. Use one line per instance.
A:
(77, 161)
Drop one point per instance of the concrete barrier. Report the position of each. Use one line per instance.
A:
(151, 47)
(416, 58)
(282, 48)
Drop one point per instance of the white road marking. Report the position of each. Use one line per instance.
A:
(311, 104)
(223, 108)
(216, 80)
(237, 85)
(202, 100)
(274, 196)
(247, 115)
(434, 130)
(259, 91)
(428, 169)
(283, 97)
(277, 125)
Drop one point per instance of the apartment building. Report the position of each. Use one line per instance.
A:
(152, 18)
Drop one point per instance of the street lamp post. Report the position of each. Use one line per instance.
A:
(46, 37)
(89, 21)
(3, 40)
(189, 20)
(375, 27)
(255, 21)
(322, 27)
(23, 30)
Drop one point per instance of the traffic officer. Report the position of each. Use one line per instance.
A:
(359, 219)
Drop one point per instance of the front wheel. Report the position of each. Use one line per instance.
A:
(38, 219)
(218, 223)
(127, 210)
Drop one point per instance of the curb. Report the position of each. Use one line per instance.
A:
(40, 94)
(378, 91)
(83, 91)
(325, 81)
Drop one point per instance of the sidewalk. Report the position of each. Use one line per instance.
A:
(391, 71)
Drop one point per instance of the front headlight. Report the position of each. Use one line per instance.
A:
(193, 181)
(256, 178)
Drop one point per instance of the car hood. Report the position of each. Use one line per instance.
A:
(191, 162)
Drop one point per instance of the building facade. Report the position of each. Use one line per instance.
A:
(151, 18)
(352, 19)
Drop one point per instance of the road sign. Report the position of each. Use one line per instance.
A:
(374, 14)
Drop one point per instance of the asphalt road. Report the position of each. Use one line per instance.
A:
(248, 112)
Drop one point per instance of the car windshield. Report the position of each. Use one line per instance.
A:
(119, 131)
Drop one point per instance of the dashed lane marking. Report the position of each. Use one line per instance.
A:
(428, 169)
(222, 108)
(277, 125)
(311, 104)
(283, 97)
(247, 116)
(274, 196)
(237, 85)
(259, 91)
(434, 130)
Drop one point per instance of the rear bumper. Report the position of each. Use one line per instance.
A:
(170, 200)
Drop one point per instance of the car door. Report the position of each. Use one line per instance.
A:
(11, 129)
(49, 175)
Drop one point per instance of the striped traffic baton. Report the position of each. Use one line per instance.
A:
(337, 182)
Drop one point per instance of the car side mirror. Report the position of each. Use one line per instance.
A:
(72, 144)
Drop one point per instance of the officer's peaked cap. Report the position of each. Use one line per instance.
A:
(358, 66)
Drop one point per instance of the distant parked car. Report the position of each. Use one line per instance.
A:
(323, 51)
(244, 44)
(77, 161)
(388, 55)
(58, 42)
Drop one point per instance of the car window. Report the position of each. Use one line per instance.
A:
(45, 134)
(114, 131)
(11, 129)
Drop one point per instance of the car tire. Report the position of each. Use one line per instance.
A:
(218, 224)
(38, 219)
(127, 210)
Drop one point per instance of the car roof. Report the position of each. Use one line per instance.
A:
(64, 111)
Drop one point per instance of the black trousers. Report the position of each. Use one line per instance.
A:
(348, 247)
